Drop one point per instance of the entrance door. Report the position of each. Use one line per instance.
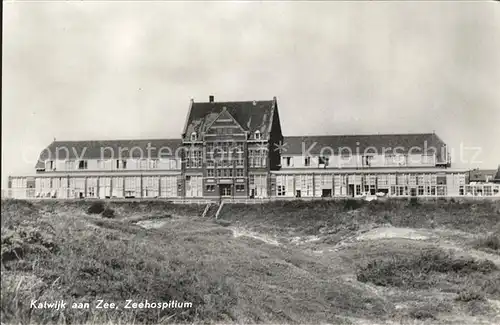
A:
(225, 190)
(351, 190)
(326, 193)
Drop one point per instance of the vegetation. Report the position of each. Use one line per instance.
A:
(489, 243)
(54, 250)
(342, 217)
(96, 208)
(425, 270)
(226, 279)
(108, 213)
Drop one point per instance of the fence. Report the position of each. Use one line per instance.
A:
(258, 200)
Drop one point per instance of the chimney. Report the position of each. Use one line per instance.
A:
(211, 98)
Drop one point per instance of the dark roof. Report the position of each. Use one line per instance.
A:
(251, 115)
(110, 149)
(293, 144)
(497, 175)
(481, 175)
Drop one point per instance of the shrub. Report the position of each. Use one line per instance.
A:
(108, 213)
(468, 295)
(422, 314)
(96, 208)
(351, 204)
(414, 202)
(491, 242)
(25, 239)
(417, 271)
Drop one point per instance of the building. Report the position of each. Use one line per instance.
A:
(237, 150)
(480, 175)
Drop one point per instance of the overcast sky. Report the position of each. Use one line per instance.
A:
(111, 70)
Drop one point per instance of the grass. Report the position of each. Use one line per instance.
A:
(433, 268)
(490, 243)
(236, 280)
(346, 216)
(55, 250)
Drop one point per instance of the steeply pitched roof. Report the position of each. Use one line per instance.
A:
(372, 143)
(107, 149)
(251, 115)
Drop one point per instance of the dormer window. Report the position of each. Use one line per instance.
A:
(193, 136)
(257, 135)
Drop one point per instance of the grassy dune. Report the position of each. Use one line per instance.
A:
(291, 262)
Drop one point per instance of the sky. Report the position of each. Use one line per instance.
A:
(127, 70)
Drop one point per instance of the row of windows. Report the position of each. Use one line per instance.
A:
(108, 164)
(238, 188)
(390, 160)
(226, 172)
(221, 131)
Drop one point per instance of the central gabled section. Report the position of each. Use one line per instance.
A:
(224, 125)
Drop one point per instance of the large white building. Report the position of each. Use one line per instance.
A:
(237, 150)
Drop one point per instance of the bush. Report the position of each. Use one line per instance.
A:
(490, 242)
(468, 295)
(414, 202)
(418, 271)
(422, 314)
(25, 239)
(96, 208)
(108, 213)
(351, 204)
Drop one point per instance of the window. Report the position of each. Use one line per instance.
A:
(210, 173)
(69, 165)
(367, 161)
(226, 191)
(219, 172)
(240, 162)
(281, 190)
(153, 163)
(287, 161)
(307, 161)
(210, 188)
(194, 158)
(239, 172)
(257, 135)
(324, 160)
(427, 159)
(210, 164)
(82, 164)
(240, 188)
(420, 190)
(193, 136)
(143, 163)
(49, 165)
(121, 164)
